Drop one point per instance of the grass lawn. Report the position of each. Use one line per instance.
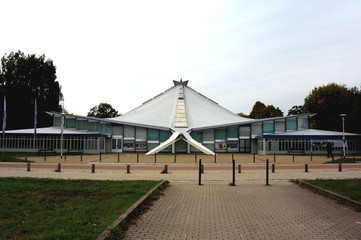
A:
(64, 209)
(350, 188)
(12, 156)
(345, 160)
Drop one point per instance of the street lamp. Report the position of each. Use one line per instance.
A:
(343, 135)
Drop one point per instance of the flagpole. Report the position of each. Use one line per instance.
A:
(4, 125)
(61, 133)
(35, 122)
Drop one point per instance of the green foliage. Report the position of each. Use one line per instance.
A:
(350, 188)
(103, 110)
(24, 78)
(329, 102)
(260, 110)
(64, 209)
(15, 156)
(295, 110)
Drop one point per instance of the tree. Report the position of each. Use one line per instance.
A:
(260, 110)
(24, 78)
(103, 110)
(295, 110)
(329, 102)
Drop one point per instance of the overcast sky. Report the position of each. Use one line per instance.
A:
(234, 52)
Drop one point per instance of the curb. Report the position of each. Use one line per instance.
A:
(133, 211)
(331, 195)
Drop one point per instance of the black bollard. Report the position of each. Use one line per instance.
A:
(59, 167)
(274, 157)
(93, 168)
(28, 167)
(215, 158)
(44, 155)
(306, 167)
(100, 156)
(267, 172)
(202, 169)
(155, 157)
(195, 158)
(233, 172)
(273, 168)
(118, 156)
(165, 170)
(175, 157)
(128, 169)
(137, 157)
(311, 156)
(293, 157)
(340, 167)
(239, 168)
(81, 157)
(65, 157)
(200, 173)
(254, 157)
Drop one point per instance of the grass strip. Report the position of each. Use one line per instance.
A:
(350, 188)
(64, 209)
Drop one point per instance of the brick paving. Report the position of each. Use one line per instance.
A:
(246, 211)
(216, 210)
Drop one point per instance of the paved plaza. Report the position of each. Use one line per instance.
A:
(215, 210)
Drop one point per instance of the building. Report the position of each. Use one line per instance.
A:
(179, 120)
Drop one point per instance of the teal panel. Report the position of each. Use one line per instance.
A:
(70, 123)
(153, 135)
(198, 136)
(291, 124)
(164, 136)
(220, 133)
(82, 125)
(57, 121)
(232, 132)
(268, 127)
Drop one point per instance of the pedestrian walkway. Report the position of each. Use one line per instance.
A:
(215, 210)
(246, 211)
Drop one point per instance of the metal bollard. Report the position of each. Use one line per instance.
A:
(202, 169)
(273, 168)
(65, 157)
(267, 172)
(293, 157)
(28, 167)
(200, 173)
(340, 167)
(306, 167)
(137, 157)
(239, 168)
(81, 157)
(311, 156)
(118, 156)
(175, 157)
(93, 168)
(274, 157)
(44, 155)
(233, 172)
(165, 170)
(100, 156)
(155, 157)
(254, 157)
(59, 167)
(128, 169)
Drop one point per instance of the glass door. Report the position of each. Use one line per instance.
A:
(117, 144)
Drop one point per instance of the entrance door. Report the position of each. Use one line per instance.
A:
(117, 144)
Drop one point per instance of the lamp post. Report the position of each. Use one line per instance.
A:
(343, 135)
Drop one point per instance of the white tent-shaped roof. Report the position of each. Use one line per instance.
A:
(180, 108)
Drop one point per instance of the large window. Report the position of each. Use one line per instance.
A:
(302, 123)
(93, 127)
(257, 129)
(291, 124)
(118, 130)
(232, 146)
(153, 135)
(198, 136)
(232, 132)
(280, 126)
(82, 125)
(220, 134)
(244, 131)
(268, 127)
(70, 123)
(208, 136)
(245, 145)
(129, 132)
